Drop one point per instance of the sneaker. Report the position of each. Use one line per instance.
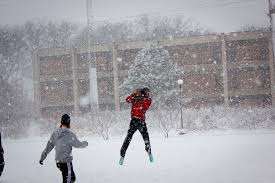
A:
(151, 157)
(121, 160)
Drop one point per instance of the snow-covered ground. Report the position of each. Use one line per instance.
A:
(197, 157)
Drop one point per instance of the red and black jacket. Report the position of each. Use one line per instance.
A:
(140, 105)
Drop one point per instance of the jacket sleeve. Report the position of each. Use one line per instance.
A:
(146, 103)
(130, 98)
(1, 147)
(49, 147)
(76, 143)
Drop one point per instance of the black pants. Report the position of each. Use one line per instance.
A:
(2, 163)
(67, 172)
(136, 124)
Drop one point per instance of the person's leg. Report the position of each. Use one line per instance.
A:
(131, 131)
(144, 132)
(64, 170)
(68, 174)
(71, 175)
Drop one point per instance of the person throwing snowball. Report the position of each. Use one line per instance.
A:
(141, 102)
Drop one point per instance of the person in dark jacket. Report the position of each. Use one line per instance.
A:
(141, 102)
(2, 161)
(63, 139)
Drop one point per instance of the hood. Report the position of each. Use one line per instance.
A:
(61, 132)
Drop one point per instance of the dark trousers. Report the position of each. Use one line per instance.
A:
(67, 172)
(2, 163)
(136, 124)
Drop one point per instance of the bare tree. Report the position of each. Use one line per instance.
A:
(16, 46)
(254, 28)
(166, 120)
(141, 28)
(12, 49)
(102, 122)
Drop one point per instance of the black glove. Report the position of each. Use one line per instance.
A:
(41, 162)
(85, 143)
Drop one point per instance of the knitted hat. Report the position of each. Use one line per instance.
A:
(145, 91)
(65, 119)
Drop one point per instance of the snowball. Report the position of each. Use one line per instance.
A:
(258, 82)
(84, 100)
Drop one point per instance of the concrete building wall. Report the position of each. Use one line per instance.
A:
(233, 70)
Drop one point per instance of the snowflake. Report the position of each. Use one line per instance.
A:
(258, 82)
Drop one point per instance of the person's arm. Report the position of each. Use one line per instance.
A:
(131, 98)
(1, 147)
(146, 103)
(135, 96)
(47, 150)
(76, 143)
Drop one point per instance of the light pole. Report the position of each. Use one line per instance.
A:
(180, 82)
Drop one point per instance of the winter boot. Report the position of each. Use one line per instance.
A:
(121, 160)
(151, 157)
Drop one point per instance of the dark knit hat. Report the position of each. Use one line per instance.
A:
(145, 91)
(65, 119)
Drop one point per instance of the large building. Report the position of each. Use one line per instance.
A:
(235, 69)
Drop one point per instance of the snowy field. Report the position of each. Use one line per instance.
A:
(197, 157)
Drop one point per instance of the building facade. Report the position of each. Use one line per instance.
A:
(235, 69)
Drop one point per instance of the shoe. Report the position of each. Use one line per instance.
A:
(121, 160)
(151, 157)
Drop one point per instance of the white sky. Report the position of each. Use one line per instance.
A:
(217, 15)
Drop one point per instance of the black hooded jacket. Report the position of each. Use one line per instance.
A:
(1, 151)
